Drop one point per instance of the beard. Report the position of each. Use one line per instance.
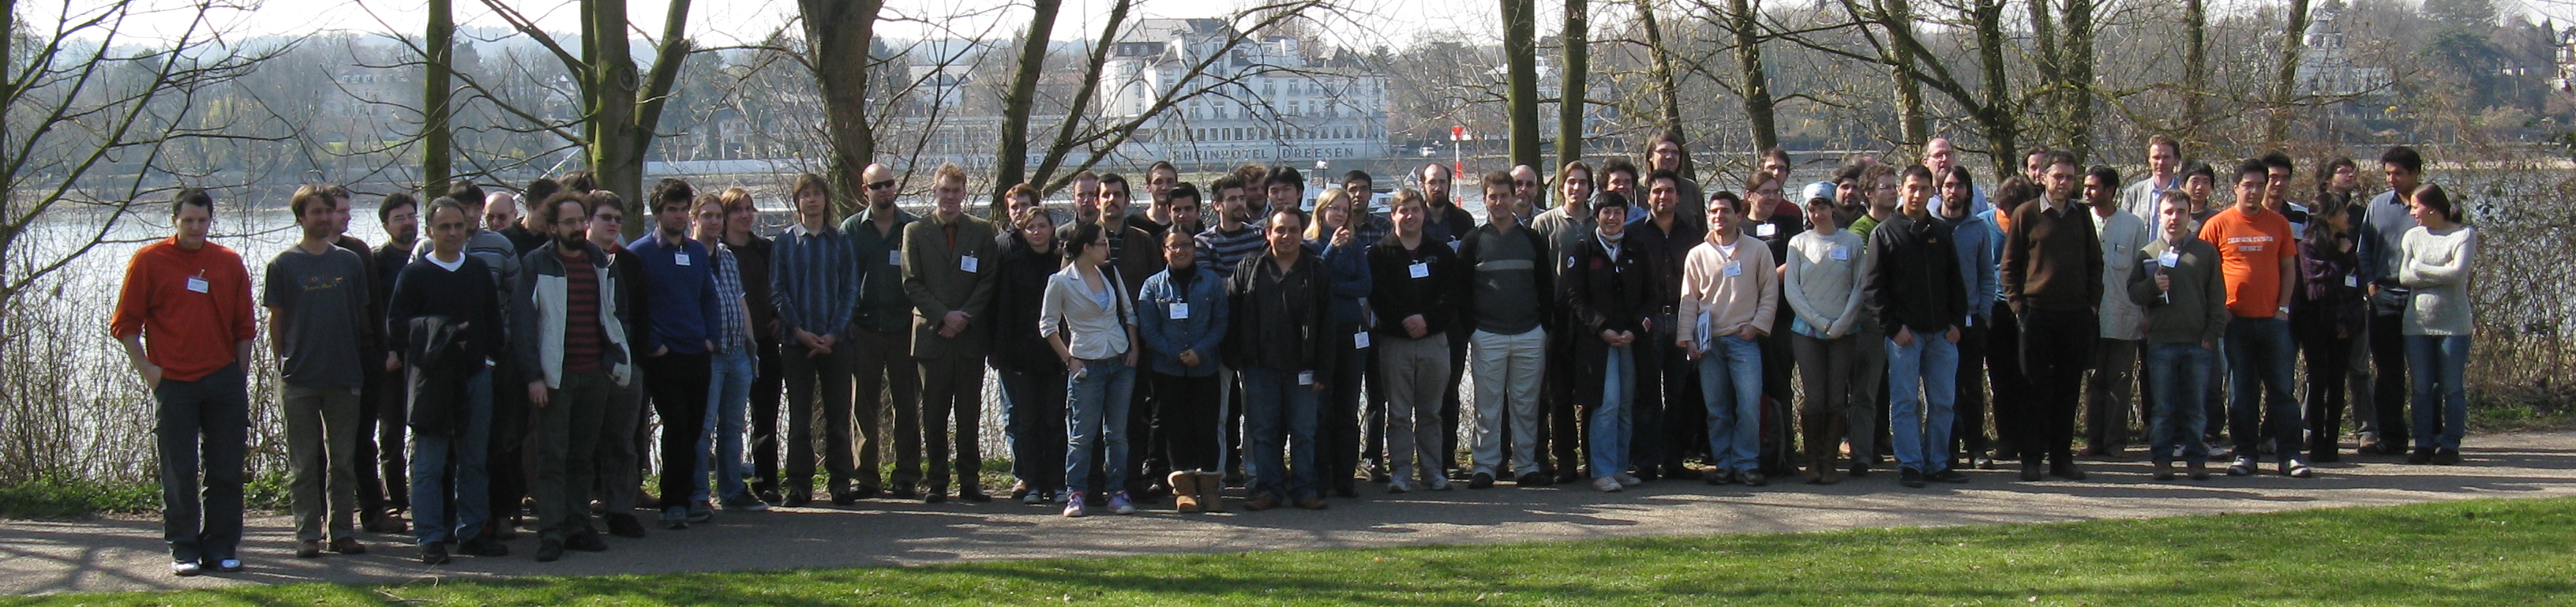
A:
(572, 241)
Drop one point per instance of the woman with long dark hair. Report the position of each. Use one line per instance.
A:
(2438, 262)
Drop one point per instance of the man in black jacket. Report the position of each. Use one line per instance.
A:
(1283, 302)
(1916, 296)
(1415, 278)
(1607, 285)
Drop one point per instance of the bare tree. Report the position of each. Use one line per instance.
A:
(1573, 73)
(620, 108)
(1520, 57)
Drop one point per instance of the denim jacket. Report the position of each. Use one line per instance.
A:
(1166, 338)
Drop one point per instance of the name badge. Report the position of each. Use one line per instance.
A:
(967, 263)
(1360, 340)
(198, 284)
(1765, 230)
(1419, 269)
(1972, 320)
(894, 257)
(681, 259)
(2169, 259)
(1305, 378)
(1734, 268)
(2351, 281)
(1453, 245)
(1840, 253)
(1180, 310)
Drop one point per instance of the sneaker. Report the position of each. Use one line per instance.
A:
(2446, 457)
(1438, 483)
(1032, 498)
(2294, 468)
(1752, 478)
(433, 553)
(2421, 456)
(1482, 480)
(1718, 477)
(348, 545)
(1120, 504)
(1534, 479)
(192, 568)
(1909, 477)
(1073, 505)
(2244, 466)
(748, 505)
(675, 519)
(485, 546)
(1608, 484)
(1628, 479)
(1952, 476)
(1399, 486)
(228, 565)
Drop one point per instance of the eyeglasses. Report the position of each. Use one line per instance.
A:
(882, 185)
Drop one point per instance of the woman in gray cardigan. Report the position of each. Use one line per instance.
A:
(2438, 261)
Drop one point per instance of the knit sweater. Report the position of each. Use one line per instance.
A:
(2436, 268)
(1823, 281)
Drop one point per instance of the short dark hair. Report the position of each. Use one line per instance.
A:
(2253, 166)
(1608, 200)
(191, 197)
(2404, 157)
(1121, 181)
(552, 211)
(1162, 165)
(1849, 172)
(2109, 177)
(1965, 176)
(538, 191)
(604, 198)
(2058, 157)
(310, 192)
(2433, 197)
(444, 202)
(1617, 165)
(1663, 174)
(2015, 192)
(1225, 182)
(2200, 168)
(2161, 139)
(581, 181)
(672, 191)
(1358, 175)
(464, 190)
(1183, 190)
(2278, 160)
(1913, 171)
(385, 208)
(1286, 209)
(1499, 178)
(1284, 174)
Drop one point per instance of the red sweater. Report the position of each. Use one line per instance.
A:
(187, 333)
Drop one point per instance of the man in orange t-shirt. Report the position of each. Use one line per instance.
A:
(2256, 258)
(184, 317)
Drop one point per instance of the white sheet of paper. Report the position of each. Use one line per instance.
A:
(1840, 253)
(894, 257)
(198, 284)
(967, 263)
(1734, 268)
(1419, 270)
(2169, 259)
(1700, 336)
(1765, 230)
(1180, 310)
(2351, 281)
(1305, 378)
(680, 258)
(1360, 339)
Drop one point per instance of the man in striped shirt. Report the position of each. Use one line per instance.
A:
(1233, 236)
(814, 273)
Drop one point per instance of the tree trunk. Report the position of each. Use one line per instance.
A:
(1010, 163)
(1667, 95)
(2276, 119)
(1571, 104)
(1520, 52)
(2075, 93)
(1913, 126)
(435, 148)
(2044, 60)
(838, 34)
(2195, 71)
(1068, 131)
(1997, 116)
(1741, 20)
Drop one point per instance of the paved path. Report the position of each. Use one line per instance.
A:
(46, 557)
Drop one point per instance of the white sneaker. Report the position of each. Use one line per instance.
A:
(1438, 483)
(1629, 479)
(1399, 485)
(1608, 484)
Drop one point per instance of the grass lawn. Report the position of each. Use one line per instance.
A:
(2492, 552)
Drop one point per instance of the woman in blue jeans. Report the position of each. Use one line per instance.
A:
(2437, 265)
(1087, 318)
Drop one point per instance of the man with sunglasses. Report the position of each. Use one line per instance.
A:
(881, 341)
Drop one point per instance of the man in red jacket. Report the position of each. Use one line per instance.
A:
(184, 316)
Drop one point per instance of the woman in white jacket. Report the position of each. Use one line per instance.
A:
(1823, 282)
(1091, 323)
(2439, 260)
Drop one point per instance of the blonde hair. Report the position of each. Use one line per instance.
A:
(1330, 197)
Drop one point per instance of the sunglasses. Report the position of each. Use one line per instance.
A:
(882, 185)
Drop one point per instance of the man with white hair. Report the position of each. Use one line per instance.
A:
(1939, 155)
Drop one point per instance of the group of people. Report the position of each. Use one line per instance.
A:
(1294, 346)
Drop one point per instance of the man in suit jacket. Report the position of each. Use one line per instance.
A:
(944, 272)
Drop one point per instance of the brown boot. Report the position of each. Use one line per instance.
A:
(1185, 491)
(1211, 489)
(1823, 467)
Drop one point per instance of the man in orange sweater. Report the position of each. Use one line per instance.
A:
(184, 316)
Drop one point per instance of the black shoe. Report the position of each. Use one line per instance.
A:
(1482, 480)
(845, 498)
(550, 551)
(1982, 462)
(625, 525)
(2066, 470)
(1910, 478)
(1534, 479)
(797, 500)
(1859, 469)
(433, 554)
(2446, 457)
(1377, 473)
(2420, 457)
(1681, 473)
(973, 495)
(586, 542)
(934, 495)
(483, 546)
(1753, 479)
(1718, 477)
(1568, 476)
(1952, 476)
(865, 492)
(2030, 471)
(769, 496)
(902, 491)
(1648, 474)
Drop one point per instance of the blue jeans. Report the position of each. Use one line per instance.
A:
(1928, 370)
(2259, 360)
(2177, 382)
(431, 454)
(1610, 417)
(1275, 408)
(1032, 419)
(1096, 403)
(1730, 385)
(728, 397)
(2439, 366)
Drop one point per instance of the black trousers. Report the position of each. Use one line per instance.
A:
(379, 470)
(2329, 363)
(2056, 349)
(1562, 424)
(1373, 416)
(508, 461)
(818, 390)
(2389, 388)
(766, 385)
(1449, 398)
(1190, 423)
(2004, 378)
(1338, 430)
(952, 386)
(1968, 432)
(678, 383)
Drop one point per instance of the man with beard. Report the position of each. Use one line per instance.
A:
(881, 344)
(572, 340)
(1561, 228)
(1447, 224)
